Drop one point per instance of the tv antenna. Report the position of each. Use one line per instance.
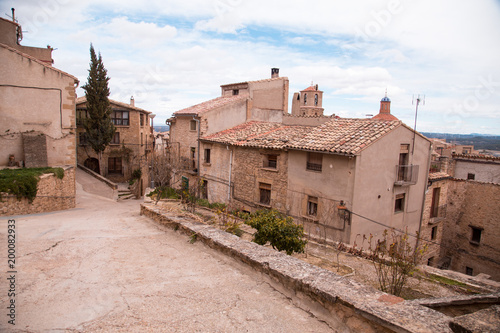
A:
(416, 101)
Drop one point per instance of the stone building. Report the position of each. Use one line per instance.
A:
(263, 100)
(370, 167)
(130, 149)
(37, 111)
(460, 222)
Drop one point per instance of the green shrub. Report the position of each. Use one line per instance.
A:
(24, 182)
(277, 229)
(137, 174)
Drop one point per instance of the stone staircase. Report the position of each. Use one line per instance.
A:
(124, 192)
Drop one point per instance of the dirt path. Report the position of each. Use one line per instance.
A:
(103, 268)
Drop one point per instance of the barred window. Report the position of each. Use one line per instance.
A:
(314, 161)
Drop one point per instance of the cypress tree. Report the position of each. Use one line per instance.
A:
(98, 124)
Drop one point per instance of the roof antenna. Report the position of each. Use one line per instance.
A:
(416, 101)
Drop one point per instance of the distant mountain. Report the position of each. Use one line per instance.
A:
(479, 141)
(161, 128)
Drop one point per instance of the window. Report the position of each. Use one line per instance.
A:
(115, 165)
(476, 235)
(471, 176)
(236, 92)
(312, 206)
(116, 139)
(403, 162)
(142, 139)
(83, 139)
(120, 118)
(315, 99)
(204, 189)
(265, 194)
(142, 119)
(305, 99)
(399, 204)
(468, 270)
(193, 158)
(207, 155)
(81, 115)
(185, 183)
(435, 202)
(192, 125)
(434, 232)
(271, 161)
(314, 161)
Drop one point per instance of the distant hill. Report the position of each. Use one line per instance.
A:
(161, 128)
(479, 141)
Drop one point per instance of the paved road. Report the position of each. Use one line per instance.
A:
(102, 267)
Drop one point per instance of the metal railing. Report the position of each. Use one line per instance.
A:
(406, 175)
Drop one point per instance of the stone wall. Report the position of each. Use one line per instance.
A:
(249, 172)
(342, 303)
(472, 205)
(53, 194)
(432, 240)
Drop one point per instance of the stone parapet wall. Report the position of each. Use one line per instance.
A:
(53, 194)
(344, 304)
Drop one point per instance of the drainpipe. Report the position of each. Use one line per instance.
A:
(230, 172)
(198, 168)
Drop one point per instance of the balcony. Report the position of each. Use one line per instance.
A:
(438, 213)
(406, 175)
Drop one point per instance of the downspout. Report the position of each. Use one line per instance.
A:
(230, 172)
(198, 165)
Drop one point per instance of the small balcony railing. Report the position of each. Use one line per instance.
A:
(406, 175)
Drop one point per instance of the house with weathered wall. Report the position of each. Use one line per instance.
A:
(262, 100)
(130, 149)
(481, 168)
(37, 108)
(370, 168)
(37, 112)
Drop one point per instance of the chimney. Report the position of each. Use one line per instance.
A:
(132, 102)
(275, 72)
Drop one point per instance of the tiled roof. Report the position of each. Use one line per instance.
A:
(38, 61)
(259, 135)
(438, 176)
(257, 81)
(385, 116)
(210, 105)
(338, 136)
(344, 136)
(83, 99)
(311, 88)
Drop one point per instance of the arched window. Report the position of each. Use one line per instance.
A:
(305, 99)
(315, 99)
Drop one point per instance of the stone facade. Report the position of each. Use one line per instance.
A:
(476, 167)
(471, 229)
(131, 150)
(433, 218)
(53, 194)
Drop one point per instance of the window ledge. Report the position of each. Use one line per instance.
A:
(316, 171)
(313, 219)
(263, 205)
(207, 164)
(269, 169)
(474, 243)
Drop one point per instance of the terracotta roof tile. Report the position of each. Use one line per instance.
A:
(259, 135)
(210, 105)
(83, 99)
(338, 136)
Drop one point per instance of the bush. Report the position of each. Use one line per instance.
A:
(137, 174)
(277, 229)
(24, 182)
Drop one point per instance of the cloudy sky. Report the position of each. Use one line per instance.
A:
(173, 54)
